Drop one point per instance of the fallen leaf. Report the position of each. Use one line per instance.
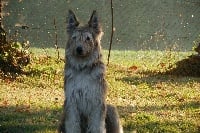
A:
(133, 68)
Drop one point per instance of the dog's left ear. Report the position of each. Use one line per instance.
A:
(72, 21)
(94, 22)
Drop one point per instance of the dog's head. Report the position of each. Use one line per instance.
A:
(83, 39)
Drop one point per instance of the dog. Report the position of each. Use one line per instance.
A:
(85, 87)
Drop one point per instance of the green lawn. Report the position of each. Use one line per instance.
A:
(147, 99)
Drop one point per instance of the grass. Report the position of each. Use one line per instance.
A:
(147, 99)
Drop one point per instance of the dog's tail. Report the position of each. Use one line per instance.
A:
(61, 127)
(112, 120)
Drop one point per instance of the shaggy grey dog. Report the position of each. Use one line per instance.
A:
(85, 109)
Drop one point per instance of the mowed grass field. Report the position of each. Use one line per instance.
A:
(148, 101)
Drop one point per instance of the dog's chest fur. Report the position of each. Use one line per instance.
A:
(84, 88)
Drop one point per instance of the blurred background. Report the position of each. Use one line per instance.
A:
(138, 24)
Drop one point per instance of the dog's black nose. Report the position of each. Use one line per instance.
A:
(79, 50)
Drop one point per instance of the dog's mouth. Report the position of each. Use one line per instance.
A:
(81, 55)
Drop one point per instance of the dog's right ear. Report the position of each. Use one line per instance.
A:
(72, 21)
(94, 21)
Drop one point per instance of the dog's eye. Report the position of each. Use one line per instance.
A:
(74, 37)
(88, 38)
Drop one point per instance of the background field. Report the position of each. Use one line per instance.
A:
(139, 24)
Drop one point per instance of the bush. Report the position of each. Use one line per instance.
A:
(187, 67)
(13, 55)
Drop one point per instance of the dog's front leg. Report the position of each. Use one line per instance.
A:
(72, 121)
(96, 121)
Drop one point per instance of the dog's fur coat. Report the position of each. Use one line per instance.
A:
(85, 109)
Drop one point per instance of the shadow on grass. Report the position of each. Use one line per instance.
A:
(145, 125)
(12, 76)
(148, 122)
(129, 110)
(33, 72)
(25, 120)
(22, 120)
(153, 78)
(182, 106)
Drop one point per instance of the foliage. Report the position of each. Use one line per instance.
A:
(13, 57)
(187, 67)
(196, 43)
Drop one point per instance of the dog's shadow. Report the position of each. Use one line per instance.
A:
(22, 119)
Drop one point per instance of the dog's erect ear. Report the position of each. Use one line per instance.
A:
(94, 21)
(72, 21)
